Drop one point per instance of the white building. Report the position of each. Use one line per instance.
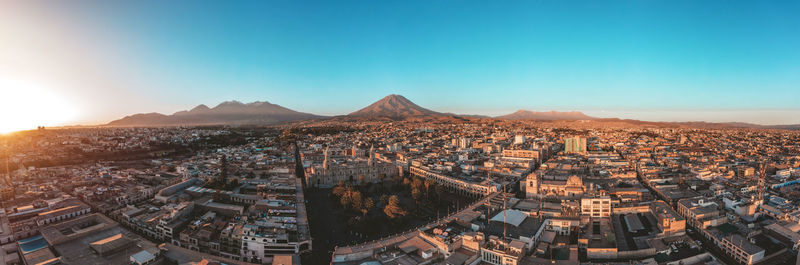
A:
(596, 206)
(519, 139)
(258, 243)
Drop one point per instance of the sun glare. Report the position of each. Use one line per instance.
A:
(25, 106)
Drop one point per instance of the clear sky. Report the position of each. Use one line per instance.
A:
(652, 60)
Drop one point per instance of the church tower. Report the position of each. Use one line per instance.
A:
(371, 160)
(325, 162)
(532, 185)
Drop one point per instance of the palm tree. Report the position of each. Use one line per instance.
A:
(393, 209)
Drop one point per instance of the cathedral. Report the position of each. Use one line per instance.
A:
(542, 186)
(349, 169)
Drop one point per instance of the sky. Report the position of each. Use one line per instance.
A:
(89, 62)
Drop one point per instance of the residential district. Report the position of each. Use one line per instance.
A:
(400, 193)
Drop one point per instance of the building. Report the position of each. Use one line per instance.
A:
(741, 249)
(499, 252)
(599, 206)
(742, 207)
(575, 145)
(667, 219)
(561, 226)
(786, 232)
(90, 239)
(171, 193)
(701, 213)
(231, 241)
(332, 171)
(6, 193)
(536, 186)
(519, 139)
(69, 209)
(519, 153)
(453, 183)
(464, 143)
(173, 220)
(259, 242)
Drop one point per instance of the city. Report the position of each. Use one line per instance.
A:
(358, 132)
(424, 190)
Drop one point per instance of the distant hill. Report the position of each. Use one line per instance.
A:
(741, 125)
(394, 107)
(226, 113)
(545, 116)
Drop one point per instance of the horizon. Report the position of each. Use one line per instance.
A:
(603, 114)
(91, 62)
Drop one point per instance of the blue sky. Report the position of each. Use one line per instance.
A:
(654, 60)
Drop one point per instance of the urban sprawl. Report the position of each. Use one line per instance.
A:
(403, 192)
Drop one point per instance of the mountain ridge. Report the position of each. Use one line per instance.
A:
(390, 108)
(545, 115)
(228, 112)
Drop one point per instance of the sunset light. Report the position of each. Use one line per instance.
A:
(26, 106)
(411, 132)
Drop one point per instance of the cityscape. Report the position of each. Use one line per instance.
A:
(386, 133)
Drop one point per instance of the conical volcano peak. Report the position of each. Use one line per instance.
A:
(394, 106)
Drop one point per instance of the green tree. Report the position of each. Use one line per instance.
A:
(416, 194)
(369, 203)
(356, 200)
(439, 191)
(428, 184)
(417, 184)
(339, 190)
(394, 210)
(345, 201)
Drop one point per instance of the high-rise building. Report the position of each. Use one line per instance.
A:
(464, 143)
(575, 145)
(519, 139)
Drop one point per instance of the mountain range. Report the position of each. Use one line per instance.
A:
(545, 116)
(228, 112)
(390, 108)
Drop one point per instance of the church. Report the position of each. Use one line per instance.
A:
(560, 186)
(348, 169)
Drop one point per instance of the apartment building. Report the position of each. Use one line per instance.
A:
(599, 206)
(701, 213)
(499, 252)
(741, 249)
